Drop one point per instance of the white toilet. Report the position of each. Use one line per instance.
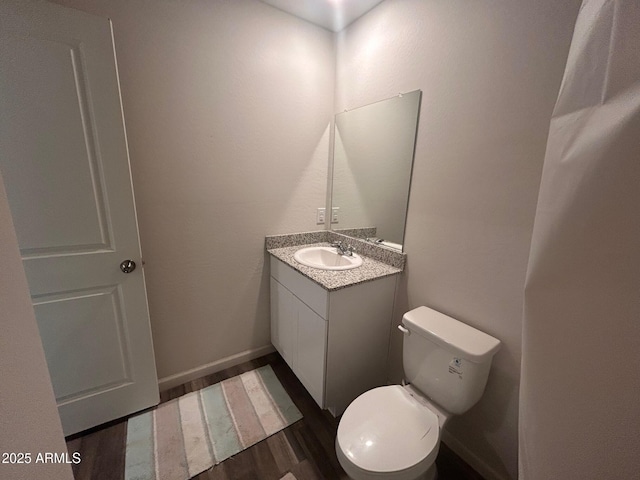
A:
(393, 432)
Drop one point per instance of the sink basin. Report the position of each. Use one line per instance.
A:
(327, 258)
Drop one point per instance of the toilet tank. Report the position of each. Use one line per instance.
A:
(446, 359)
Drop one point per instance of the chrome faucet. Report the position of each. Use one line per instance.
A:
(343, 249)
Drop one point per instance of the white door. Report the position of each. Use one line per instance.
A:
(64, 158)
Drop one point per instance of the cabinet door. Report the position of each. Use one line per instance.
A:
(310, 363)
(284, 321)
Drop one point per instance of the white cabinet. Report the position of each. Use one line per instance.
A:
(300, 335)
(284, 321)
(335, 342)
(311, 345)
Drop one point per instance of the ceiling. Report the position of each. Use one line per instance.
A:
(333, 15)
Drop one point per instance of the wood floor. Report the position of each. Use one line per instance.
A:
(305, 449)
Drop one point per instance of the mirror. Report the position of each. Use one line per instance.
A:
(372, 161)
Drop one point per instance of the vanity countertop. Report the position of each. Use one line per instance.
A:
(335, 279)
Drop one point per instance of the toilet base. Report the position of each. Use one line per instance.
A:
(430, 474)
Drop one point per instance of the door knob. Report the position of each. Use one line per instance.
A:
(128, 266)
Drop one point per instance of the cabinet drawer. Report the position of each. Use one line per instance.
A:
(306, 290)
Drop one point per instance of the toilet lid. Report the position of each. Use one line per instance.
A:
(387, 430)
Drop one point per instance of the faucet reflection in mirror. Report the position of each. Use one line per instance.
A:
(372, 163)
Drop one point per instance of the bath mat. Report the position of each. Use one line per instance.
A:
(186, 436)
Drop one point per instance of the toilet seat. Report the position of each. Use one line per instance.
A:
(387, 433)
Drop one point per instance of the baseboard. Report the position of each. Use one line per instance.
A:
(471, 458)
(165, 383)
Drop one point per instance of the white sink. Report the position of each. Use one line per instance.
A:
(327, 258)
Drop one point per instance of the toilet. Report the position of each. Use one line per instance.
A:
(393, 432)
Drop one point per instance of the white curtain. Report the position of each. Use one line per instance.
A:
(580, 386)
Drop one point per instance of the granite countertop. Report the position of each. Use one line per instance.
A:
(335, 279)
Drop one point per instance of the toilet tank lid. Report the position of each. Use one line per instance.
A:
(462, 339)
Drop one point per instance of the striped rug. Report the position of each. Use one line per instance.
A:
(184, 437)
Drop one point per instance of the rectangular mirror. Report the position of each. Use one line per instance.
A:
(373, 154)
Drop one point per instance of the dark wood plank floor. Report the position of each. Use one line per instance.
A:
(305, 448)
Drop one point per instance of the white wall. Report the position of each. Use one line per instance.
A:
(490, 73)
(227, 106)
(28, 415)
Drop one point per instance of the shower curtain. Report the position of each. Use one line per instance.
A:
(580, 383)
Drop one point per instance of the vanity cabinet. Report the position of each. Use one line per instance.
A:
(336, 342)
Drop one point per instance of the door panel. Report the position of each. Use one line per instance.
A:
(284, 317)
(311, 341)
(50, 119)
(64, 158)
(75, 326)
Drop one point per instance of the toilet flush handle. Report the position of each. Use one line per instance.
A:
(404, 329)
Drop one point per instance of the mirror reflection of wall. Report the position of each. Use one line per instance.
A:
(372, 162)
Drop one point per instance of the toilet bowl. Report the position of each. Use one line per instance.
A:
(387, 433)
(393, 432)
